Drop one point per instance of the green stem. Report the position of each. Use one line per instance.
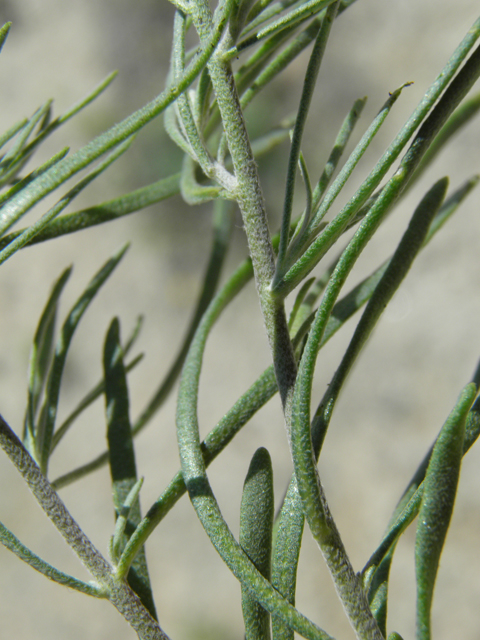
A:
(252, 206)
(117, 591)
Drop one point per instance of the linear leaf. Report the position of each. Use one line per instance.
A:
(286, 552)
(407, 509)
(104, 212)
(122, 462)
(311, 75)
(21, 184)
(440, 488)
(12, 131)
(431, 118)
(123, 515)
(98, 389)
(50, 127)
(40, 358)
(46, 423)
(12, 543)
(30, 232)
(4, 33)
(256, 522)
(201, 495)
(336, 227)
(411, 243)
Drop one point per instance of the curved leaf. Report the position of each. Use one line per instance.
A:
(440, 488)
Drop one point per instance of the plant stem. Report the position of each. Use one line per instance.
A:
(118, 592)
(252, 205)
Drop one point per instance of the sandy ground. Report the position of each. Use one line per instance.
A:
(423, 352)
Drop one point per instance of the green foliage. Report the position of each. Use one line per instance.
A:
(203, 106)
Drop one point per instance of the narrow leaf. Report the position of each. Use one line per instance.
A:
(85, 402)
(40, 358)
(31, 231)
(440, 487)
(256, 522)
(123, 515)
(119, 433)
(286, 552)
(122, 463)
(13, 160)
(307, 94)
(104, 212)
(192, 191)
(336, 227)
(397, 269)
(69, 166)
(12, 131)
(12, 543)
(299, 301)
(303, 12)
(222, 223)
(21, 184)
(98, 389)
(452, 90)
(72, 111)
(460, 117)
(46, 424)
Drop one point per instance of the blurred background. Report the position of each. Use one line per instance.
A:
(423, 352)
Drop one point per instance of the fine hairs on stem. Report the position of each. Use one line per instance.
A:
(96, 442)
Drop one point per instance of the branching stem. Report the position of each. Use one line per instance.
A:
(252, 205)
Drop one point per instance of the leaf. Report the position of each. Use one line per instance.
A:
(119, 432)
(256, 522)
(4, 33)
(21, 184)
(378, 591)
(304, 11)
(14, 159)
(192, 191)
(123, 514)
(31, 231)
(298, 302)
(309, 82)
(335, 228)
(46, 423)
(122, 464)
(396, 270)
(440, 487)
(40, 358)
(286, 552)
(98, 389)
(104, 212)
(431, 117)
(119, 594)
(13, 544)
(12, 131)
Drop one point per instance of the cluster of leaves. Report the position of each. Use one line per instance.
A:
(206, 121)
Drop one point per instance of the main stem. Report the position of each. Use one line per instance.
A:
(252, 207)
